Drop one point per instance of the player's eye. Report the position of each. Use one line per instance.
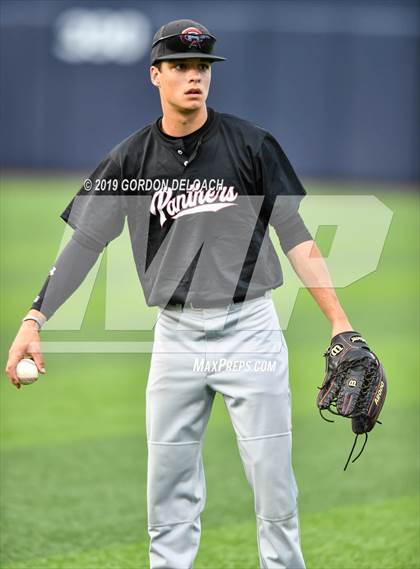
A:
(184, 66)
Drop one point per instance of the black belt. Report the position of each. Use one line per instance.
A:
(219, 304)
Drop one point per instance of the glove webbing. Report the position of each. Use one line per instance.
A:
(368, 387)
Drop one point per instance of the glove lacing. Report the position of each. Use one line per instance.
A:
(360, 407)
(355, 438)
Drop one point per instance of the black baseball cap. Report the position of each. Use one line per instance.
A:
(183, 39)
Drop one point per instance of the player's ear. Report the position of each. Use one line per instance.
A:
(155, 75)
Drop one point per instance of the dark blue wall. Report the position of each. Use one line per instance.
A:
(336, 82)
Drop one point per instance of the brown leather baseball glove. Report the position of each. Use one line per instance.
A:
(354, 385)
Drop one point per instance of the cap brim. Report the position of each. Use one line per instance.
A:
(193, 55)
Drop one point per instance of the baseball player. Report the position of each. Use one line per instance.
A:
(199, 191)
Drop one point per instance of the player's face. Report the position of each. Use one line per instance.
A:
(183, 83)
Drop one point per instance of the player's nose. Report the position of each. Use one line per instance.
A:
(194, 77)
(194, 74)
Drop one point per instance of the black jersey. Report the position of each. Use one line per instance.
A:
(198, 210)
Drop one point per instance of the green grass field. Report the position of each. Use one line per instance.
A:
(73, 462)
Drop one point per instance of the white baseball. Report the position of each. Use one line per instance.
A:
(27, 371)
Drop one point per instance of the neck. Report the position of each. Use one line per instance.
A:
(178, 123)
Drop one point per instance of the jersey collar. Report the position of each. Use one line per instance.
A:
(208, 131)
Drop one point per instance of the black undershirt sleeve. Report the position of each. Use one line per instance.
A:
(70, 269)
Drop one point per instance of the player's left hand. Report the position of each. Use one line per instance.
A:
(354, 385)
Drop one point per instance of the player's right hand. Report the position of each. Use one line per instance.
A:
(26, 344)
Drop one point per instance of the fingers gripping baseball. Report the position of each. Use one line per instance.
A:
(34, 351)
(26, 344)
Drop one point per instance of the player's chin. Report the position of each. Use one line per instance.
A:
(193, 101)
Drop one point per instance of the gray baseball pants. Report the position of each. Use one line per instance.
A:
(240, 352)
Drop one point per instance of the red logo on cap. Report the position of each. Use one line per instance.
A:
(188, 36)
